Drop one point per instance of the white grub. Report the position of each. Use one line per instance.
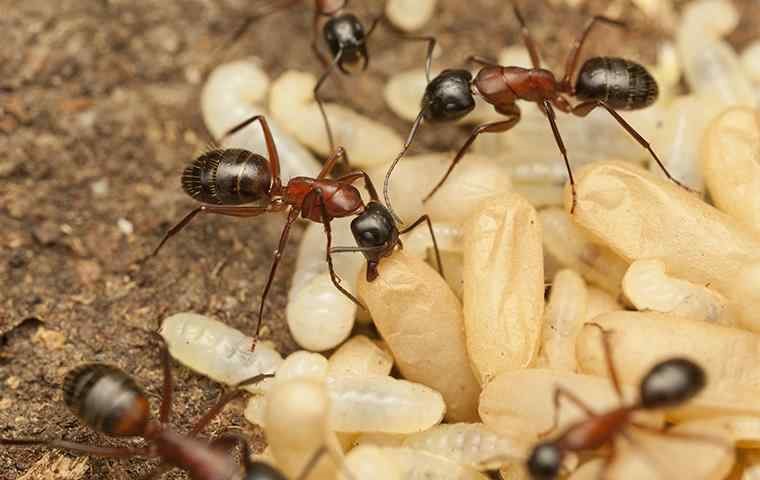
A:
(678, 140)
(297, 426)
(408, 464)
(474, 179)
(639, 340)
(745, 297)
(360, 356)
(750, 58)
(564, 316)
(667, 72)
(380, 439)
(421, 320)
(302, 364)
(217, 351)
(382, 404)
(711, 66)
(471, 444)
(292, 103)
(419, 243)
(541, 195)
(409, 15)
(519, 404)
(648, 286)
(404, 91)
(731, 159)
(320, 317)
(369, 462)
(640, 216)
(575, 249)
(234, 92)
(504, 286)
(598, 302)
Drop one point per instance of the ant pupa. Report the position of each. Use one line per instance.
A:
(602, 82)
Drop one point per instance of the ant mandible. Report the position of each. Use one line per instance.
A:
(606, 82)
(226, 179)
(109, 401)
(669, 383)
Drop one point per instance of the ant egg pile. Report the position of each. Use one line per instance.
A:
(479, 352)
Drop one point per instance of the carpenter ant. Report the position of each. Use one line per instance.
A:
(109, 401)
(609, 83)
(668, 384)
(377, 236)
(225, 179)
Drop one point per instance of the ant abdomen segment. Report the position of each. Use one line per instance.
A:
(231, 176)
(620, 83)
(106, 399)
(671, 383)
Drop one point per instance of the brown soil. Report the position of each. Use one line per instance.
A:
(98, 114)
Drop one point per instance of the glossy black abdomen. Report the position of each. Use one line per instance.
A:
(230, 176)
(621, 83)
(106, 399)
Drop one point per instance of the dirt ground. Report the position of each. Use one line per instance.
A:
(99, 111)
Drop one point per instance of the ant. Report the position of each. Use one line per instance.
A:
(226, 179)
(377, 236)
(109, 401)
(606, 82)
(669, 383)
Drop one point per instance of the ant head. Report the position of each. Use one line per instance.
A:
(376, 234)
(448, 96)
(262, 471)
(671, 383)
(230, 176)
(345, 35)
(106, 399)
(545, 461)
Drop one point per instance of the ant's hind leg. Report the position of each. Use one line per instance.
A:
(559, 393)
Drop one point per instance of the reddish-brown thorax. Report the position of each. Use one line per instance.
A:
(502, 86)
(339, 199)
(595, 432)
(193, 456)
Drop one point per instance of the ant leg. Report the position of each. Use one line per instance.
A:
(328, 71)
(230, 440)
(426, 219)
(407, 144)
(114, 452)
(431, 42)
(316, 194)
(583, 109)
(530, 44)
(559, 393)
(572, 57)
(316, 457)
(167, 390)
(695, 437)
(235, 392)
(608, 359)
(292, 217)
(352, 177)
(331, 161)
(549, 111)
(274, 157)
(653, 461)
(229, 210)
(482, 61)
(493, 127)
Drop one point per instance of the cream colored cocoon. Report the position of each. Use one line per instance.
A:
(503, 286)
(641, 216)
(420, 318)
(731, 162)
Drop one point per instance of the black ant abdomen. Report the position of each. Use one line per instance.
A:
(671, 383)
(345, 36)
(106, 399)
(448, 96)
(620, 83)
(229, 176)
